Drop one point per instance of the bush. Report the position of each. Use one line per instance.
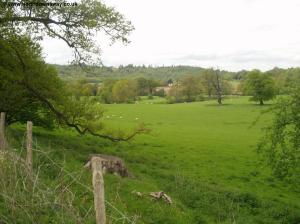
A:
(160, 93)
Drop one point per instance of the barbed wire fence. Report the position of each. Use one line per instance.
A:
(50, 190)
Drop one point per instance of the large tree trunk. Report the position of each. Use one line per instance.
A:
(261, 102)
(218, 86)
(219, 99)
(209, 94)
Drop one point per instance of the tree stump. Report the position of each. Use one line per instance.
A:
(111, 164)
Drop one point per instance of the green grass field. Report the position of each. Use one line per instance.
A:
(201, 154)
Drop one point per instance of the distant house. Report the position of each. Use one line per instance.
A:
(165, 89)
(170, 82)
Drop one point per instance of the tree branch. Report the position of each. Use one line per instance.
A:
(77, 127)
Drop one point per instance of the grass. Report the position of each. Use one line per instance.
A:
(201, 154)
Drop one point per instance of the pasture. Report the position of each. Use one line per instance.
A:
(201, 154)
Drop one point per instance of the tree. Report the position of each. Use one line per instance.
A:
(280, 146)
(191, 88)
(207, 82)
(142, 86)
(217, 84)
(82, 87)
(152, 83)
(77, 26)
(124, 91)
(146, 86)
(37, 92)
(21, 64)
(260, 86)
(188, 89)
(39, 89)
(105, 90)
(213, 83)
(291, 79)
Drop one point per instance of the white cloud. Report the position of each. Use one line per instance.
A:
(231, 34)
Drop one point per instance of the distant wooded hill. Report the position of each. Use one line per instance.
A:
(97, 74)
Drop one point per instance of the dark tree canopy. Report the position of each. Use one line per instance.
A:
(21, 64)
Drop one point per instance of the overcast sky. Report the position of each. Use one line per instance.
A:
(231, 34)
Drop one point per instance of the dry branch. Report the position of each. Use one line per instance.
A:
(82, 130)
(160, 194)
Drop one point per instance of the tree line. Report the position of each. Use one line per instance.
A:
(209, 84)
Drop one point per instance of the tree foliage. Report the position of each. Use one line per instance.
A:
(31, 88)
(82, 87)
(281, 144)
(215, 84)
(124, 91)
(187, 89)
(105, 90)
(21, 66)
(37, 94)
(146, 86)
(191, 88)
(261, 86)
(77, 25)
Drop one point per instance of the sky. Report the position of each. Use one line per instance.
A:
(231, 34)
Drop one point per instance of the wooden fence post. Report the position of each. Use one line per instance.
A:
(29, 146)
(98, 185)
(101, 164)
(2, 131)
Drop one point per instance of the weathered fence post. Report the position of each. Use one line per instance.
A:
(101, 164)
(29, 147)
(2, 131)
(98, 184)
